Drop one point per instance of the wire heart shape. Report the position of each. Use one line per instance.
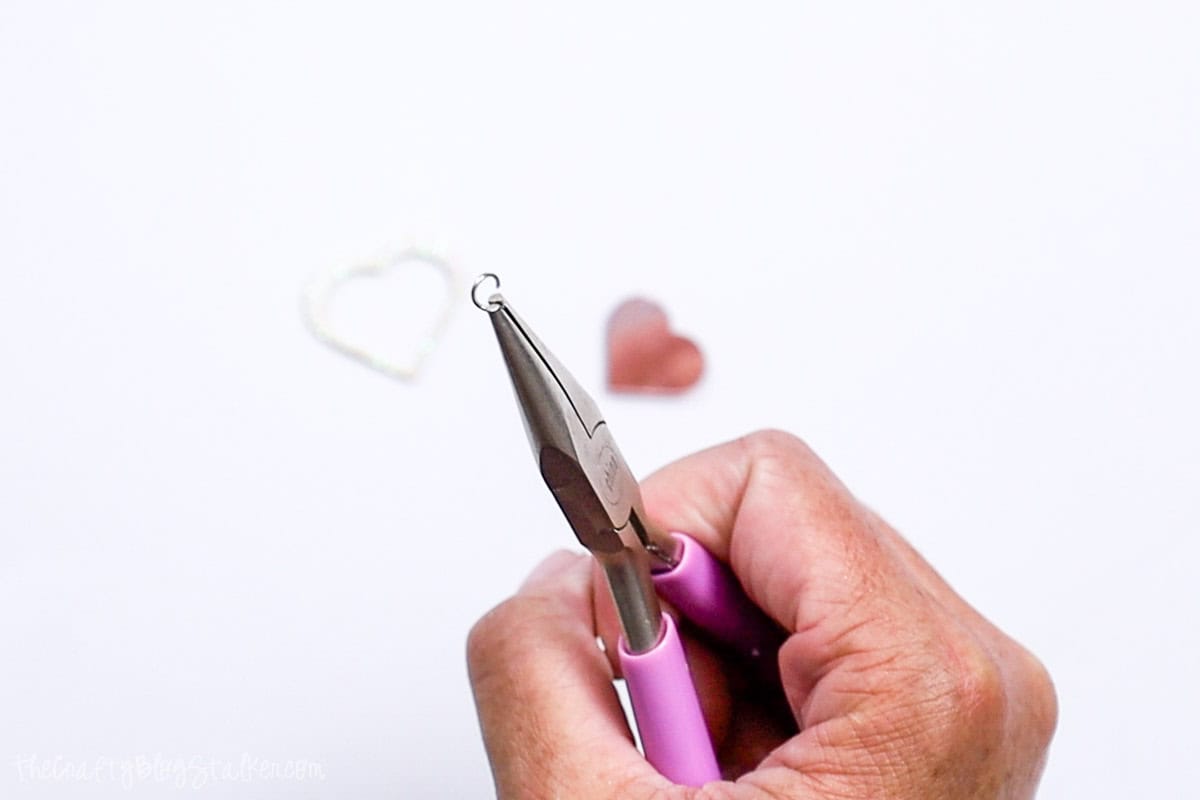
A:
(403, 359)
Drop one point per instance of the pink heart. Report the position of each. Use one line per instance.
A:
(645, 356)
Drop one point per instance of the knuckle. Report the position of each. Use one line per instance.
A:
(478, 642)
(783, 456)
(489, 633)
(979, 685)
(1040, 697)
(518, 623)
(952, 711)
(969, 694)
(776, 442)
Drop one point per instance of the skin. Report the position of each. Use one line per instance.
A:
(894, 687)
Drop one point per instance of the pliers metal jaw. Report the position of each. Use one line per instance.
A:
(585, 471)
(599, 495)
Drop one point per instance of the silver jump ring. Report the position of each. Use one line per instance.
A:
(495, 301)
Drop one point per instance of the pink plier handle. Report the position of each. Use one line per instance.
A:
(661, 690)
(667, 709)
(708, 594)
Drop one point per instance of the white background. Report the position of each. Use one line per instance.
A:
(952, 245)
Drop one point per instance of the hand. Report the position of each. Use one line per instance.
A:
(898, 688)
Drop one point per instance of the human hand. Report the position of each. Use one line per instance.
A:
(898, 688)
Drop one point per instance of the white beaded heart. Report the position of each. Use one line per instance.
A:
(398, 359)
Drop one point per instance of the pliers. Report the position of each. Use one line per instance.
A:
(599, 495)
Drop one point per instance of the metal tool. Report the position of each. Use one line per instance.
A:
(599, 495)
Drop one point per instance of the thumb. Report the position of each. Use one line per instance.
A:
(551, 720)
